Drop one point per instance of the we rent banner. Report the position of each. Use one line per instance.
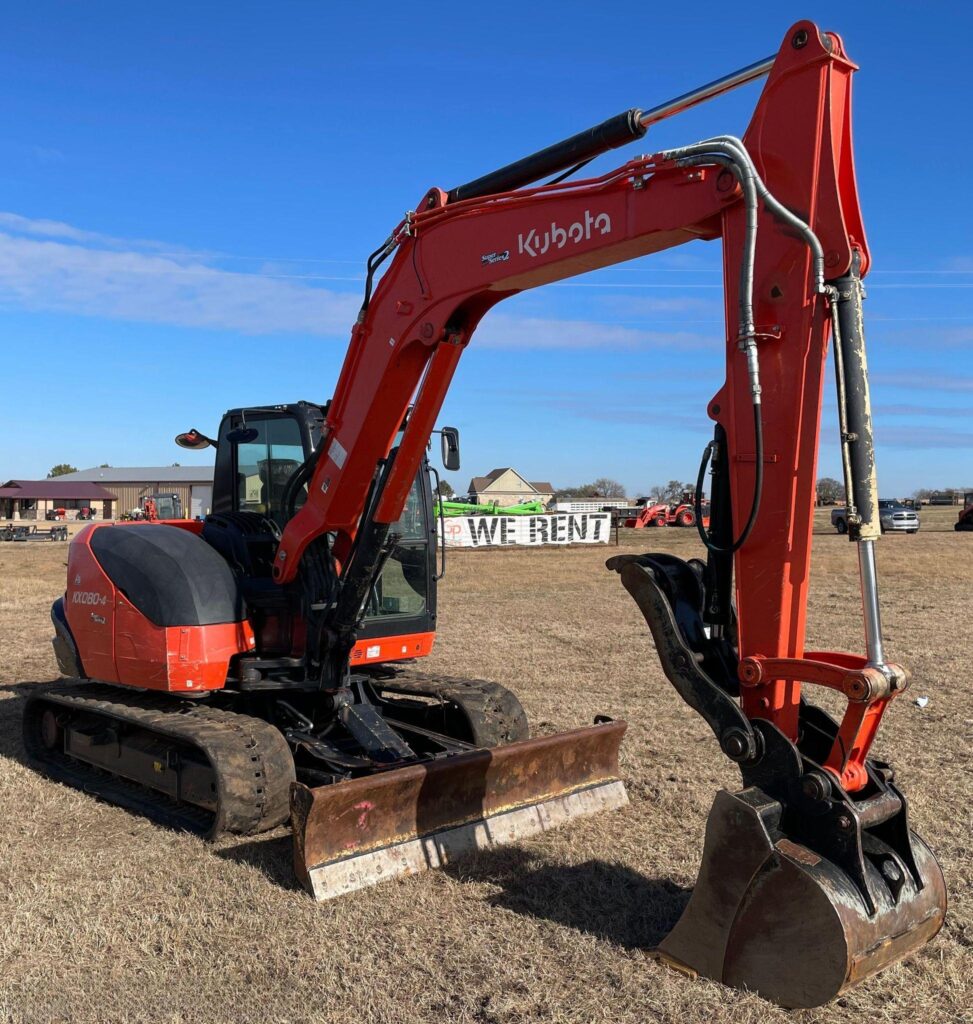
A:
(529, 531)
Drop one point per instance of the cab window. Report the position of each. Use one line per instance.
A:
(401, 589)
(265, 464)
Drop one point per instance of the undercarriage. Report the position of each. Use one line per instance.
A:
(225, 764)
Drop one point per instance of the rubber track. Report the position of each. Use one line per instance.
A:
(494, 713)
(250, 758)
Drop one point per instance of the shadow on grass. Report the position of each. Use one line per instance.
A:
(272, 856)
(610, 901)
(11, 715)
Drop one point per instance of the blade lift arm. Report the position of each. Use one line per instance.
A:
(784, 203)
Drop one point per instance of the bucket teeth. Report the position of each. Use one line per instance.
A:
(772, 916)
(403, 821)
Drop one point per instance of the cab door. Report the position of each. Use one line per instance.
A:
(400, 613)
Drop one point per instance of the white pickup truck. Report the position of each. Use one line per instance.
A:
(892, 516)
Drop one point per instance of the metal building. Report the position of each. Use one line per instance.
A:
(193, 484)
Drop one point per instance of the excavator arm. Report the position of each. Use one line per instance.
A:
(453, 261)
(731, 633)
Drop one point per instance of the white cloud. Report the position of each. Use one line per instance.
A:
(17, 224)
(82, 279)
(499, 330)
(919, 381)
(923, 438)
(49, 265)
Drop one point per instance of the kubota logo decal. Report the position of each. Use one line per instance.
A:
(535, 243)
(88, 597)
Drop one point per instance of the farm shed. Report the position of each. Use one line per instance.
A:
(33, 499)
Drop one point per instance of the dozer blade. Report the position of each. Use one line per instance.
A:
(400, 822)
(771, 916)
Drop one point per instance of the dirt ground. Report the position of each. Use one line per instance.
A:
(105, 917)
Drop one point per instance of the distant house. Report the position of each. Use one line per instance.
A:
(507, 487)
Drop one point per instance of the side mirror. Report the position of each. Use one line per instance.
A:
(450, 448)
(243, 435)
(195, 440)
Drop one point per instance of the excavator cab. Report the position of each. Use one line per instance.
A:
(256, 491)
(257, 452)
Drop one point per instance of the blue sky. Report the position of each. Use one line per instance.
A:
(190, 191)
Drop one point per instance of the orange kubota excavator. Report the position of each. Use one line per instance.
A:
(220, 659)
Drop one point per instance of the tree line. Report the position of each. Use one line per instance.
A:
(831, 491)
(605, 487)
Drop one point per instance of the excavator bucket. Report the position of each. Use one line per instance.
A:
(804, 889)
(400, 822)
(770, 915)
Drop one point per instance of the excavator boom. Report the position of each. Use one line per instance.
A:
(452, 261)
(819, 823)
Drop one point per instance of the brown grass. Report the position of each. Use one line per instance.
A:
(107, 918)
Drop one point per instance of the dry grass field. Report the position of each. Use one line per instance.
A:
(107, 918)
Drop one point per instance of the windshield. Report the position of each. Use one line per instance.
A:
(265, 464)
(402, 587)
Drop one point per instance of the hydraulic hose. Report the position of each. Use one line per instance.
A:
(729, 152)
(758, 486)
(377, 258)
(781, 212)
(728, 157)
(297, 480)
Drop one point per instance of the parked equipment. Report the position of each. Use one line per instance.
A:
(894, 516)
(307, 679)
(451, 509)
(467, 508)
(663, 514)
(654, 514)
(157, 507)
(524, 508)
(154, 508)
(965, 520)
(811, 878)
(27, 533)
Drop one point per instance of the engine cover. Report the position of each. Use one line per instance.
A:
(154, 606)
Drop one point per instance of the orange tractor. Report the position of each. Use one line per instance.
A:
(662, 514)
